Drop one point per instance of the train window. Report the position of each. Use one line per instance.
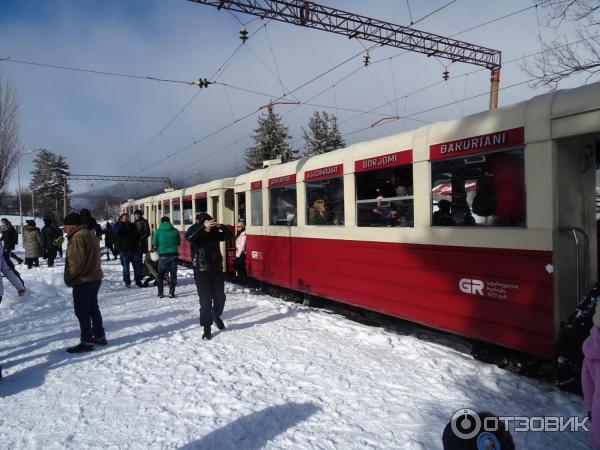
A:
(166, 209)
(241, 205)
(481, 190)
(325, 202)
(384, 198)
(201, 205)
(282, 206)
(188, 215)
(257, 208)
(176, 214)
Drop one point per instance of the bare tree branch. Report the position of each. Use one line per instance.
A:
(9, 133)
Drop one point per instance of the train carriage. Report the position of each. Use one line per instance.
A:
(483, 226)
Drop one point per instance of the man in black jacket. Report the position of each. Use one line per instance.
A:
(143, 229)
(128, 241)
(10, 239)
(90, 222)
(205, 236)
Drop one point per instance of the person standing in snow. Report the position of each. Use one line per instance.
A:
(590, 378)
(208, 269)
(33, 244)
(240, 252)
(109, 239)
(90, 222)
(84, 274)
(166, 240)
(10, 239)
(14, 279)
(143, 229)
(50, 240)
(127, 238)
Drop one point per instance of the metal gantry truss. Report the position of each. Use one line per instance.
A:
(117, 178)
(313, 15)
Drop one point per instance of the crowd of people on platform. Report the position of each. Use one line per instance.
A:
(153, 257)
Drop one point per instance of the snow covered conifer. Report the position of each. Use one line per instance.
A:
(323, 134)
(271, 140)
(47, 181)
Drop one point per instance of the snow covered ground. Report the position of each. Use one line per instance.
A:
(281, 376)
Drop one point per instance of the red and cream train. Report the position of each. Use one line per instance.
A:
(484, 226)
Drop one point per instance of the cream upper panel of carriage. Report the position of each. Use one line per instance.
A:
(243, 182)
(223, 183)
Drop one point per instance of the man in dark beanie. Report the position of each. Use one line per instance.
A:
(205, 236)
(84, 274)
(90, 222)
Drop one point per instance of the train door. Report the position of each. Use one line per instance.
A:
(575, 258)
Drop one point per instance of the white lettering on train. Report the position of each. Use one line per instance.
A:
(474, 143)
(469, 286)
(381, 161)
(323, 172)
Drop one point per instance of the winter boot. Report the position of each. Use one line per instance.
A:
(219, 323)
(172, 292)
(81, 347)
(100, 340)
(161, 292)
(207, 333)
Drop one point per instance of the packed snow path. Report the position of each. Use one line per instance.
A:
(281, 376)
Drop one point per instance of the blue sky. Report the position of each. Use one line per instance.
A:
(98, 122)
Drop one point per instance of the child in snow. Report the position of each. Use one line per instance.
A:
(590, 377)
(6, 271)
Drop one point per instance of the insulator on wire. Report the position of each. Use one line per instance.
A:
(445, 74)
(243, 34)
(203, 82)
(366, 58)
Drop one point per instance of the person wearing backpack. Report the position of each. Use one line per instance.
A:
(166, 240)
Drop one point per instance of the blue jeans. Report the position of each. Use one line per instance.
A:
(167, 264)
(87, 311)
(131, 257)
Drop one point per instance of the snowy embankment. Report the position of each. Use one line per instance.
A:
(281, 376)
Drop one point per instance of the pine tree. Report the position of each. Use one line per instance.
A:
(47, 181)
(271, 140)
(323, 134)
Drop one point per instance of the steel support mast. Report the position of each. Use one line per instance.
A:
(313, 15)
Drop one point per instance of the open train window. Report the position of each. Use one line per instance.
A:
(257, 208)
(282, 205)
(176, 214)
(241, 207)
(384, 197)
(188, 215)
(480, 190)
(167, 209)
(325, 202)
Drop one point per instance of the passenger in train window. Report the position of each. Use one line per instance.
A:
(385, 213)
(442, 217)
(325, 202)
(317, 213)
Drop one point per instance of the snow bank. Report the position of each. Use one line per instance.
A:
(281, 376)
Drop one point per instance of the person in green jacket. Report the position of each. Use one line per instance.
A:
(166, 239)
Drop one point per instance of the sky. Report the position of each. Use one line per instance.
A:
(123, 126)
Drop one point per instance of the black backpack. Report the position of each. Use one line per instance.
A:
(484, 203)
